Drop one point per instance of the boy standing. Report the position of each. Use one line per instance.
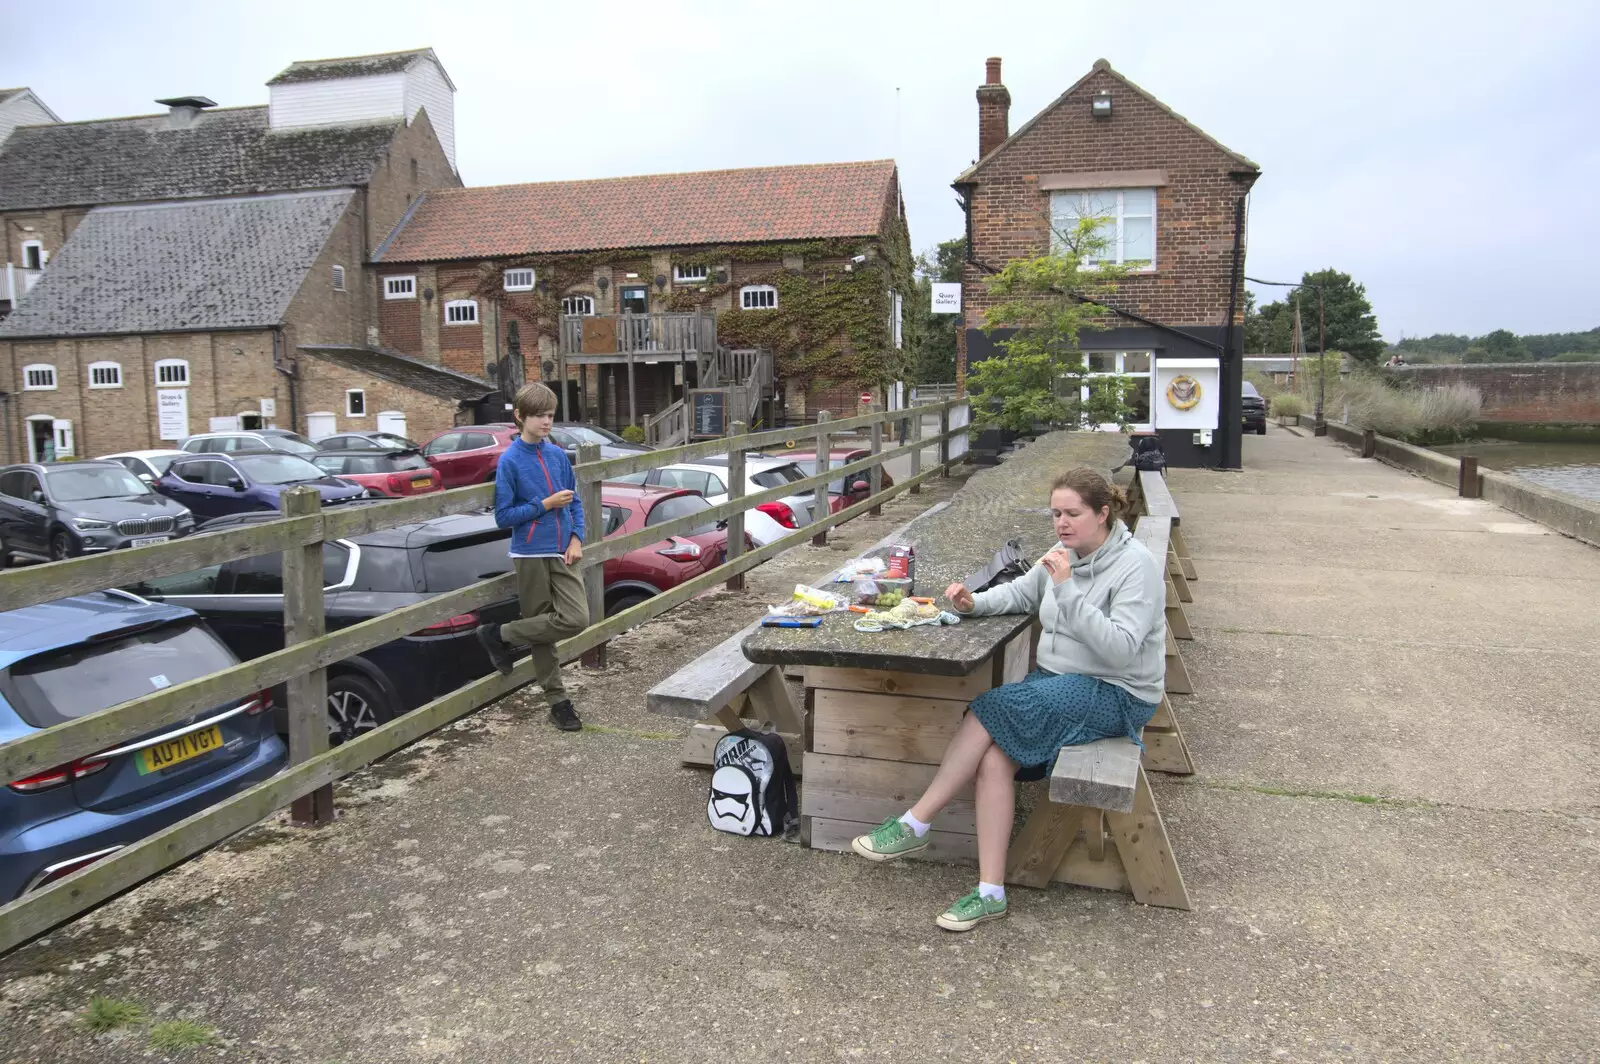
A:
(535, 497)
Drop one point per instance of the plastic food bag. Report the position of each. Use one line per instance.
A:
(859, 568)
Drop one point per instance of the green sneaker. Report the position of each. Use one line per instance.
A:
(888, 841)
(971, 910)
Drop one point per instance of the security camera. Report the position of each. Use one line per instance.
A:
(858, 259)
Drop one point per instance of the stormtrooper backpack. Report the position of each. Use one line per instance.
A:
(752, 788)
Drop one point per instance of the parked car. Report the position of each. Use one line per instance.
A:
(658, 567)
(469, 454)
(1255, 410)
(840, 495)
(146, 465)
(67, 659)
(361, 441)
(365, 577)
(709, 477)
(255, 440)
(383, 471)
(213, 485)
(569, 434)
(64, 509)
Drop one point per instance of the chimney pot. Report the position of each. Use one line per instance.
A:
(992, 71)
(994, 110)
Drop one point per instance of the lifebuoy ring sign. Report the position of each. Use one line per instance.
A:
(1183, 393)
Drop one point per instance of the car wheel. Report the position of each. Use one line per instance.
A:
(1262, 431)
(62, 545)
(624, 602)
(355, 707)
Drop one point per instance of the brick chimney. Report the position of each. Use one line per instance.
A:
(994, 109)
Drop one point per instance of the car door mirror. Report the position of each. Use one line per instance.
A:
(147, 478)
(860, 484)
(36, 496)
(236, 484)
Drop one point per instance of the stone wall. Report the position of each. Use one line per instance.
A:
(1522, 392)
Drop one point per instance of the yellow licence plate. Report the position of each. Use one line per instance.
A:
(165, 755)
(421, 482)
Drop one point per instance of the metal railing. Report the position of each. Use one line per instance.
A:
(310, 649)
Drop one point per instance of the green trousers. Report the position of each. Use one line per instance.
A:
(554, 607)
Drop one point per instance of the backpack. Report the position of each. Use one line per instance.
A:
(752, 788)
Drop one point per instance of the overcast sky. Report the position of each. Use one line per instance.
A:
(1443, 153)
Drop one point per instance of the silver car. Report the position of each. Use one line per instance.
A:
(709, 476)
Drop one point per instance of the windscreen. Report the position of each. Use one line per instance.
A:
(291, 444)
(95, 482)
(277, 468)
(572, 435)
(784, 474)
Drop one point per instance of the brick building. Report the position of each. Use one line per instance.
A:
(1168, 196)
(186, 258)
(632, 288)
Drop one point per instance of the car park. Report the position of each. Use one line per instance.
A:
(63, 660)
(469, 454)
(362, 441)
(840, 495)
(146, 465)
(256, 440)
(709, 477)
(65, 509)
(214, 485)
(657, 567)
(383, 471)
(1255, 410)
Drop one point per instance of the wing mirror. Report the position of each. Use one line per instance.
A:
(36, 496)
(235, 483)
(147, 478)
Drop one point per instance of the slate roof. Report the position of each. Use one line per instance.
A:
(6, 94)
(354, 66)
(758, 205)
(227, 152)
(386, 364)
(180, 267)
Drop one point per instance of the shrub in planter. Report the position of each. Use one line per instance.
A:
(1288, 407)
(633, 434)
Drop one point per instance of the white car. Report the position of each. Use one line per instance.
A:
(764, 523)
(148, 466)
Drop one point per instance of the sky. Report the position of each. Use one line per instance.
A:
(1432, 150)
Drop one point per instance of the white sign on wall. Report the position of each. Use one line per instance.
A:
(946, 298)
(172, 413)
(1187, 394)
(269, 408)
(960, 418)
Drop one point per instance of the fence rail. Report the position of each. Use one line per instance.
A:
(309, 650)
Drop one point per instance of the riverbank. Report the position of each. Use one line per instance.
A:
(1571, 467)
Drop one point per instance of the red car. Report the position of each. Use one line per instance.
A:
(382, 471)
(650, 570)
(470, 453)
(838, 497)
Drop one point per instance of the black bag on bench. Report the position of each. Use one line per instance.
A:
(752, 786)
(1008, 564)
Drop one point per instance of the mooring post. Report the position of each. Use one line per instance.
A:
(1369, 443)
(1469, 486)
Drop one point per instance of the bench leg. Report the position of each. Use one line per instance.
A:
(1037, 850)
(1175, 576)
(1177, 676)
(1165, 749)
(1146, 854)
(767, 701)
(1177, 620)
(1175, 538)
(770, 700)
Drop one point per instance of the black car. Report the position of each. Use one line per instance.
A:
(365, 577)
(64, 509)
(569, 434)
(1255, 410)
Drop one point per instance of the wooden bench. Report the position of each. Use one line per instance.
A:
(1157, 501)
(721, 689)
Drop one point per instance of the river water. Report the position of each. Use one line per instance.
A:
(1570, 467)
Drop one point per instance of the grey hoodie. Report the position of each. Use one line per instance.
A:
(1106, 621)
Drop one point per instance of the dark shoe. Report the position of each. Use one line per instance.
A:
(498, 649)
(565, 717)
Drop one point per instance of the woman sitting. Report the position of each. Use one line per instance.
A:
(1102, 660)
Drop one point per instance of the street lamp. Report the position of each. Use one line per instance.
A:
(1322, 348)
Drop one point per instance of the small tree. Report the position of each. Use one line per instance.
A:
(1040, 378)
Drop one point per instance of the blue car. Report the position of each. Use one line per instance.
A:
(66, 659)
(215, 485)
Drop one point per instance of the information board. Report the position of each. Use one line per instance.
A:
(708, 412)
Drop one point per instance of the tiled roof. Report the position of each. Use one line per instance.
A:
(180, 267)
(762, 204)
(402, 369)
(353, 66)
(226, 152)
(6, 94)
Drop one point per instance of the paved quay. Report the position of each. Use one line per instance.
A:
(1391, 844)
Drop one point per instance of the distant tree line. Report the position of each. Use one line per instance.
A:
(1502, 345)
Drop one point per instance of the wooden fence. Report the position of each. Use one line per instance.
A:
(309, 649)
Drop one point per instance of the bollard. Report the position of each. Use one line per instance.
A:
(1468, 485)
(1369, 443)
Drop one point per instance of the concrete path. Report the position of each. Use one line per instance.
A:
(1391, 844)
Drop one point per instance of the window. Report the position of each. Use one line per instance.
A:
(355, 402)
(461, 312)
(578, 305)
(615, 517)
(1133, 365)
(475, 441)
(38, 377)
(691, 274)
(449, 443)
(32, 255)
(400, 287)
(758, 297)
(338, 278)
(519, 280)
(896, 314)
(1125, 218)
(680, 506)
(105, 375)
(172, 372)
(686, 479)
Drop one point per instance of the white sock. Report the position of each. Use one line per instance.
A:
(918, 828)
(991, 890)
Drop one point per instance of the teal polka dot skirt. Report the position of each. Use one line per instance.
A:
(1032, 719)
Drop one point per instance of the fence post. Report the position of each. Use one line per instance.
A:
(1468, 485)
(916, 453)
(1369, 443)
(944, 439)
(875, 474)
(303, 619)
(819, 494)
(736, 492)
(594, 522)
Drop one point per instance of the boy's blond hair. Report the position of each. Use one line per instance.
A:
(533, 400)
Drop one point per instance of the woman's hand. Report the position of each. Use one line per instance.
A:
(959, 597)
(1058, 565)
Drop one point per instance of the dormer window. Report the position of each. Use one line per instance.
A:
(32, 255)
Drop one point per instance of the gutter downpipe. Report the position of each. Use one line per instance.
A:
(281, 364)
(1231, 378)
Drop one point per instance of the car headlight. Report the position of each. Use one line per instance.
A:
(86, 524)
(185, 517)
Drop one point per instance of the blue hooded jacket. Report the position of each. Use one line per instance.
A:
(525, 477)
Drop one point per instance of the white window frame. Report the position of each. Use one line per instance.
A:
(1064, 216)
(759, 292)
(338, 279)
(113, 370)
(392, 288)
(349, 410)
(172, 364)
(1149, 374)
(519, 285)
(896, 320)
(702, 274)
(570, 308)
(459, 307)
(45, 372)
(26, 244)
